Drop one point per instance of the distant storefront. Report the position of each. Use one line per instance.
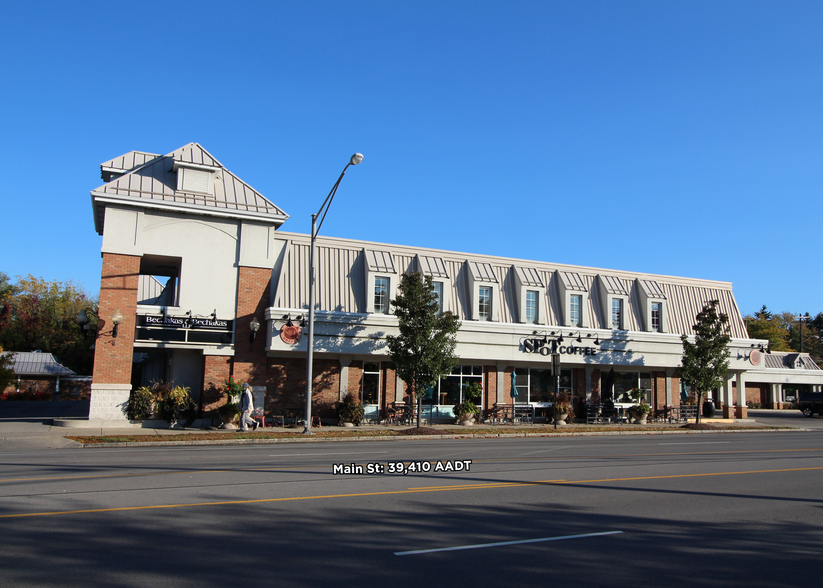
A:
(39, 376)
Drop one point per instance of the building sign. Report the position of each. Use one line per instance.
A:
(184, 329)
(544, 347)
(291, 334)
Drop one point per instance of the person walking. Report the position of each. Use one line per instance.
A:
(246, 406)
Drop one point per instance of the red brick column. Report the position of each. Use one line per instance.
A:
(111, 380)
(490, 387)
(118, 291)
(252, 300)
(216, 370)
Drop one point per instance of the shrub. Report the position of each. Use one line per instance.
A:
(174, 401)
(141, 402)
(349, 410)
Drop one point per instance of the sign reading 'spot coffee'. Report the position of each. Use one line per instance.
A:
(544, 347)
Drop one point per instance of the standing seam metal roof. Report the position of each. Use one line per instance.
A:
(35, 363)
(341, 263)
(154, 181)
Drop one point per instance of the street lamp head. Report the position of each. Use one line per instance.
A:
(356, 158)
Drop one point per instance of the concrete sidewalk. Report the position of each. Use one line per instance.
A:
(30, 425)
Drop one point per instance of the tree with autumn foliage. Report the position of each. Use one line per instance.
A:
(36, 314)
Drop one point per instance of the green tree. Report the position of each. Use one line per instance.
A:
(785, 330)
(706, 361)
(39, 314)
(423, 352)
(766, 325)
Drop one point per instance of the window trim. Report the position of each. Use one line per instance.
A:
(532, 320)
(621, 326)
(387, 301)
(480, 316)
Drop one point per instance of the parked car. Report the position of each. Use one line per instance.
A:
(810, 403)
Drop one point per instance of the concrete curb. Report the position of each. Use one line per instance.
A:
(423, 437)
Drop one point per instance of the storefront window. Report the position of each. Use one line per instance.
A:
(625, 381)
(449, 390)
(371, 383)
(537, 385)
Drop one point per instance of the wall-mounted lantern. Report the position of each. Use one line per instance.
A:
(254, 326)
(116, 319)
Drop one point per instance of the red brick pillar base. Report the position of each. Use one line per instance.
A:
(111, 381)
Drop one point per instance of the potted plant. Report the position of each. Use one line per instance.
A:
(174, 403)
(561, 409)
(640, 412)
(467, 411)
(349, 411)
(229, 412)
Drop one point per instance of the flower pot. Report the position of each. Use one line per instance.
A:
(467, 423)
(346, 424)
(640, 419)
(561, 419)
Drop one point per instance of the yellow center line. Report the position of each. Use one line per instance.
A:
(407, 491)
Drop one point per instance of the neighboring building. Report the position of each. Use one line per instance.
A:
(192, 257)
(41, 375)
(777, 383)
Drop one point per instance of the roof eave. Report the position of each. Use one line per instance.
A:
(102, 199)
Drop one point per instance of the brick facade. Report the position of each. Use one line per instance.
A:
(118, 291)
(286, 386)
(253, 286)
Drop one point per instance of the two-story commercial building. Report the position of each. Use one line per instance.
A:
(194, 260)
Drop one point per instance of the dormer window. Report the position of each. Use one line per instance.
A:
(531, 306)
(574, 295)
(653, 305)
(381, 295)
(195, 178)
(485, 288)
(437, 288)
(617, 314)
(435, 267)
(614, 299)
(531, 292)
(381, 280)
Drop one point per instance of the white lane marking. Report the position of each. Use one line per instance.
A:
(697, 443)
(312, 454)
(482, 545)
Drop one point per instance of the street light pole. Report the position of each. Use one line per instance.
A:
(355, 159)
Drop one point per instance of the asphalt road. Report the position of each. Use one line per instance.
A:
(662, 510)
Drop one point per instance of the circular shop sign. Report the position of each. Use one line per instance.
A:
(291, 335)
(754, 357)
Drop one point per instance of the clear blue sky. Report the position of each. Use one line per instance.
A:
(677, 138)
